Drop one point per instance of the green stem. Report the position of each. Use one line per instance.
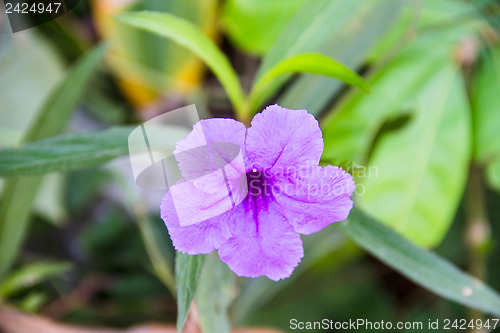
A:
(477, 233)
(162, 264)
(244, 113)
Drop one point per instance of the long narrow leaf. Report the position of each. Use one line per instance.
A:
(187, 273)
(313, 63)
(419, 265)
(59, 106)
(214, 295)
(18, 193)
(157, 249)
(65, 152)
(345, 44)
(188, 35)
(308, 30)
(31, 275)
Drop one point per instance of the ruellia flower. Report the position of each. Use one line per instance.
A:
(250, 193)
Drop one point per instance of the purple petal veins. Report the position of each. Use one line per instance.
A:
(250, 193)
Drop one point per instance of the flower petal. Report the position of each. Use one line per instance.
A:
(264, 243)
(313, 199)
(212, 145)
(189, 202)
(281, 138)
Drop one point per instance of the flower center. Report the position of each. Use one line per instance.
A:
(259, 184)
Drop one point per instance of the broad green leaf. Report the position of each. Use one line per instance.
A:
(348, 44)
(313, 63)
(65, 152)
(462, 15)
(19, 192)
(215, 292)
(307, 30)
(397, 34)
(486, 107)
(419, 265)
(158, 250)
(445, 21)
(350, 128)
(422, 168)
(187, 273)
(189, 36)
(254, 25)
(353, 124)
(31, 275)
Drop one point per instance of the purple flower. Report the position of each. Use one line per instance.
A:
(276, 188)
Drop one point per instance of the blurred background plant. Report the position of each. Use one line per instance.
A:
(79, 242)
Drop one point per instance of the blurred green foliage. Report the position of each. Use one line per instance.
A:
(423, 145)
(255, 26)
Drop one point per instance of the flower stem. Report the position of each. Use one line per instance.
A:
(243, 114)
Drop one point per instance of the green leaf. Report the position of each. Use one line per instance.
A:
(463, 16)
(65, 152)
(485, 107)
(33, 302)
(402, 25)
(187, 273)
(421, 169)
(349, 44)
(20, 69)
(147, 64)
(419, 265)
(18, 193)
(353, 124)
(493, 174)
(158, 250)
(254, 25)
(214, 295)
(486, 115)
(188, 35)
(49, 201)
(307, 31)
(31, 275)
(313, 63)
(58, 107)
